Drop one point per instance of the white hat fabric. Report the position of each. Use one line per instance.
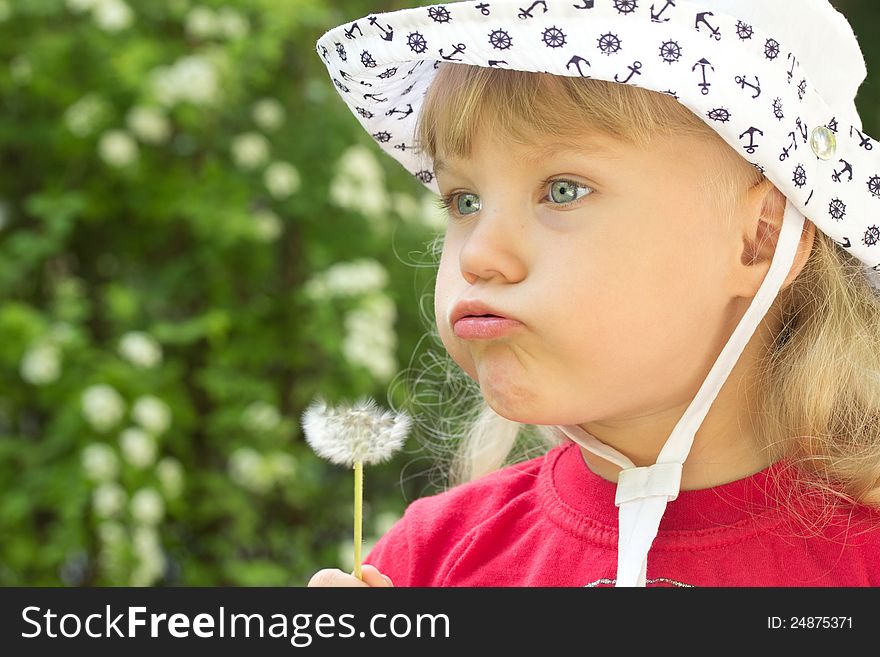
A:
(777, 81)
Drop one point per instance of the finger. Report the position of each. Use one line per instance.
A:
(335, 577)
(373, 577)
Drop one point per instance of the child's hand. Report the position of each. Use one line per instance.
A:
(335, 577)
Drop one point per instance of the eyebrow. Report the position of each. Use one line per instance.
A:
(538, 154)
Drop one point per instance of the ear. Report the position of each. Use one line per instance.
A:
(761, 221)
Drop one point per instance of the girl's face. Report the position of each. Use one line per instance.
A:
(613, 260)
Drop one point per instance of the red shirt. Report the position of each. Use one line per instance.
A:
(551, 521)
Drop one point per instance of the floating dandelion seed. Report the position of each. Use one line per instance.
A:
(351, 436)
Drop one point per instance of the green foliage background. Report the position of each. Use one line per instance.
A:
(168, 246)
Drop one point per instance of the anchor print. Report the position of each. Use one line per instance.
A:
(375, 98)
(635, 69)
(527, 13)
(847, 168)
(348, 76)
(588, 4)
(802, 128)
(741, 79)
(751, 146)
(459, 48)
(704, 84)
(349, 33)
(576, 60)
(655, 16)
(866, 141)
(701, 18)
(387, 35)
(405, 113)
(809, 197)
(496, 62)
(785, 151)
(846, 245)
(401, 146)
(794, 62)
(483, 7)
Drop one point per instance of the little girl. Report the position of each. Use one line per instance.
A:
(628, 268)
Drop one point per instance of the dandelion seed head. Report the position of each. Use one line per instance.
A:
(346, 434)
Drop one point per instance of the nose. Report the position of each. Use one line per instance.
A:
(494, 243)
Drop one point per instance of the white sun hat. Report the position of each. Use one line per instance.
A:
(776, 80)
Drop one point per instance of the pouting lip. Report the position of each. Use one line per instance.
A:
(467, 307)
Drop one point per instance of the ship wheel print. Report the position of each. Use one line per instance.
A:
(439, 14)
(416, 42)
(367, 60)
(340, 52)
(554, 37)
(389, 73)
(874, 185)
(500, 39)
(670, 51)
(609, 43)
(626, 6)
(720, 114)
(743, 31)
(771, 49)
(382, 137)
(777, 109)
(872, 236)
(800, 176)
(837, 209)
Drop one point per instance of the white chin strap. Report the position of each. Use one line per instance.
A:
(643, 492)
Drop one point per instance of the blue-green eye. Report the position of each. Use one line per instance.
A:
(568, 190)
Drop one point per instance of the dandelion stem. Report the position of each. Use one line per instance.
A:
(358, 507)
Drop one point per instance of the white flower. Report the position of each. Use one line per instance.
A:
(117, 148)
(108, 499)
(112, 15)
(282, 179)
(281, 465)
(405, 205)
(147, 506)
(82, 117)
(152, 414)
(170, 474)
(370, 340)
(99, 462)
(62, 333)
(260, 416)
(201, 22)
(149, 123)
(102, 406)
(268, 114)
(431, 215)
(138, 447)
(41, 364)
(250, 150)
(360, 164)
(140, 349)
(111, 532)
(232, 24)
(267, 225)
(151, 558)
(348, 279)
(316, 91)
(248, 469)
(362, 432)
(358, 185)
(384, 521)
(192, 78)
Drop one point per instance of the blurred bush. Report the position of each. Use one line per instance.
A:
(196, 237)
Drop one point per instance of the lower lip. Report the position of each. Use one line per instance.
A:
(479, 328)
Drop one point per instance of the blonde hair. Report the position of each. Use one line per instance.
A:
(819, 401)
